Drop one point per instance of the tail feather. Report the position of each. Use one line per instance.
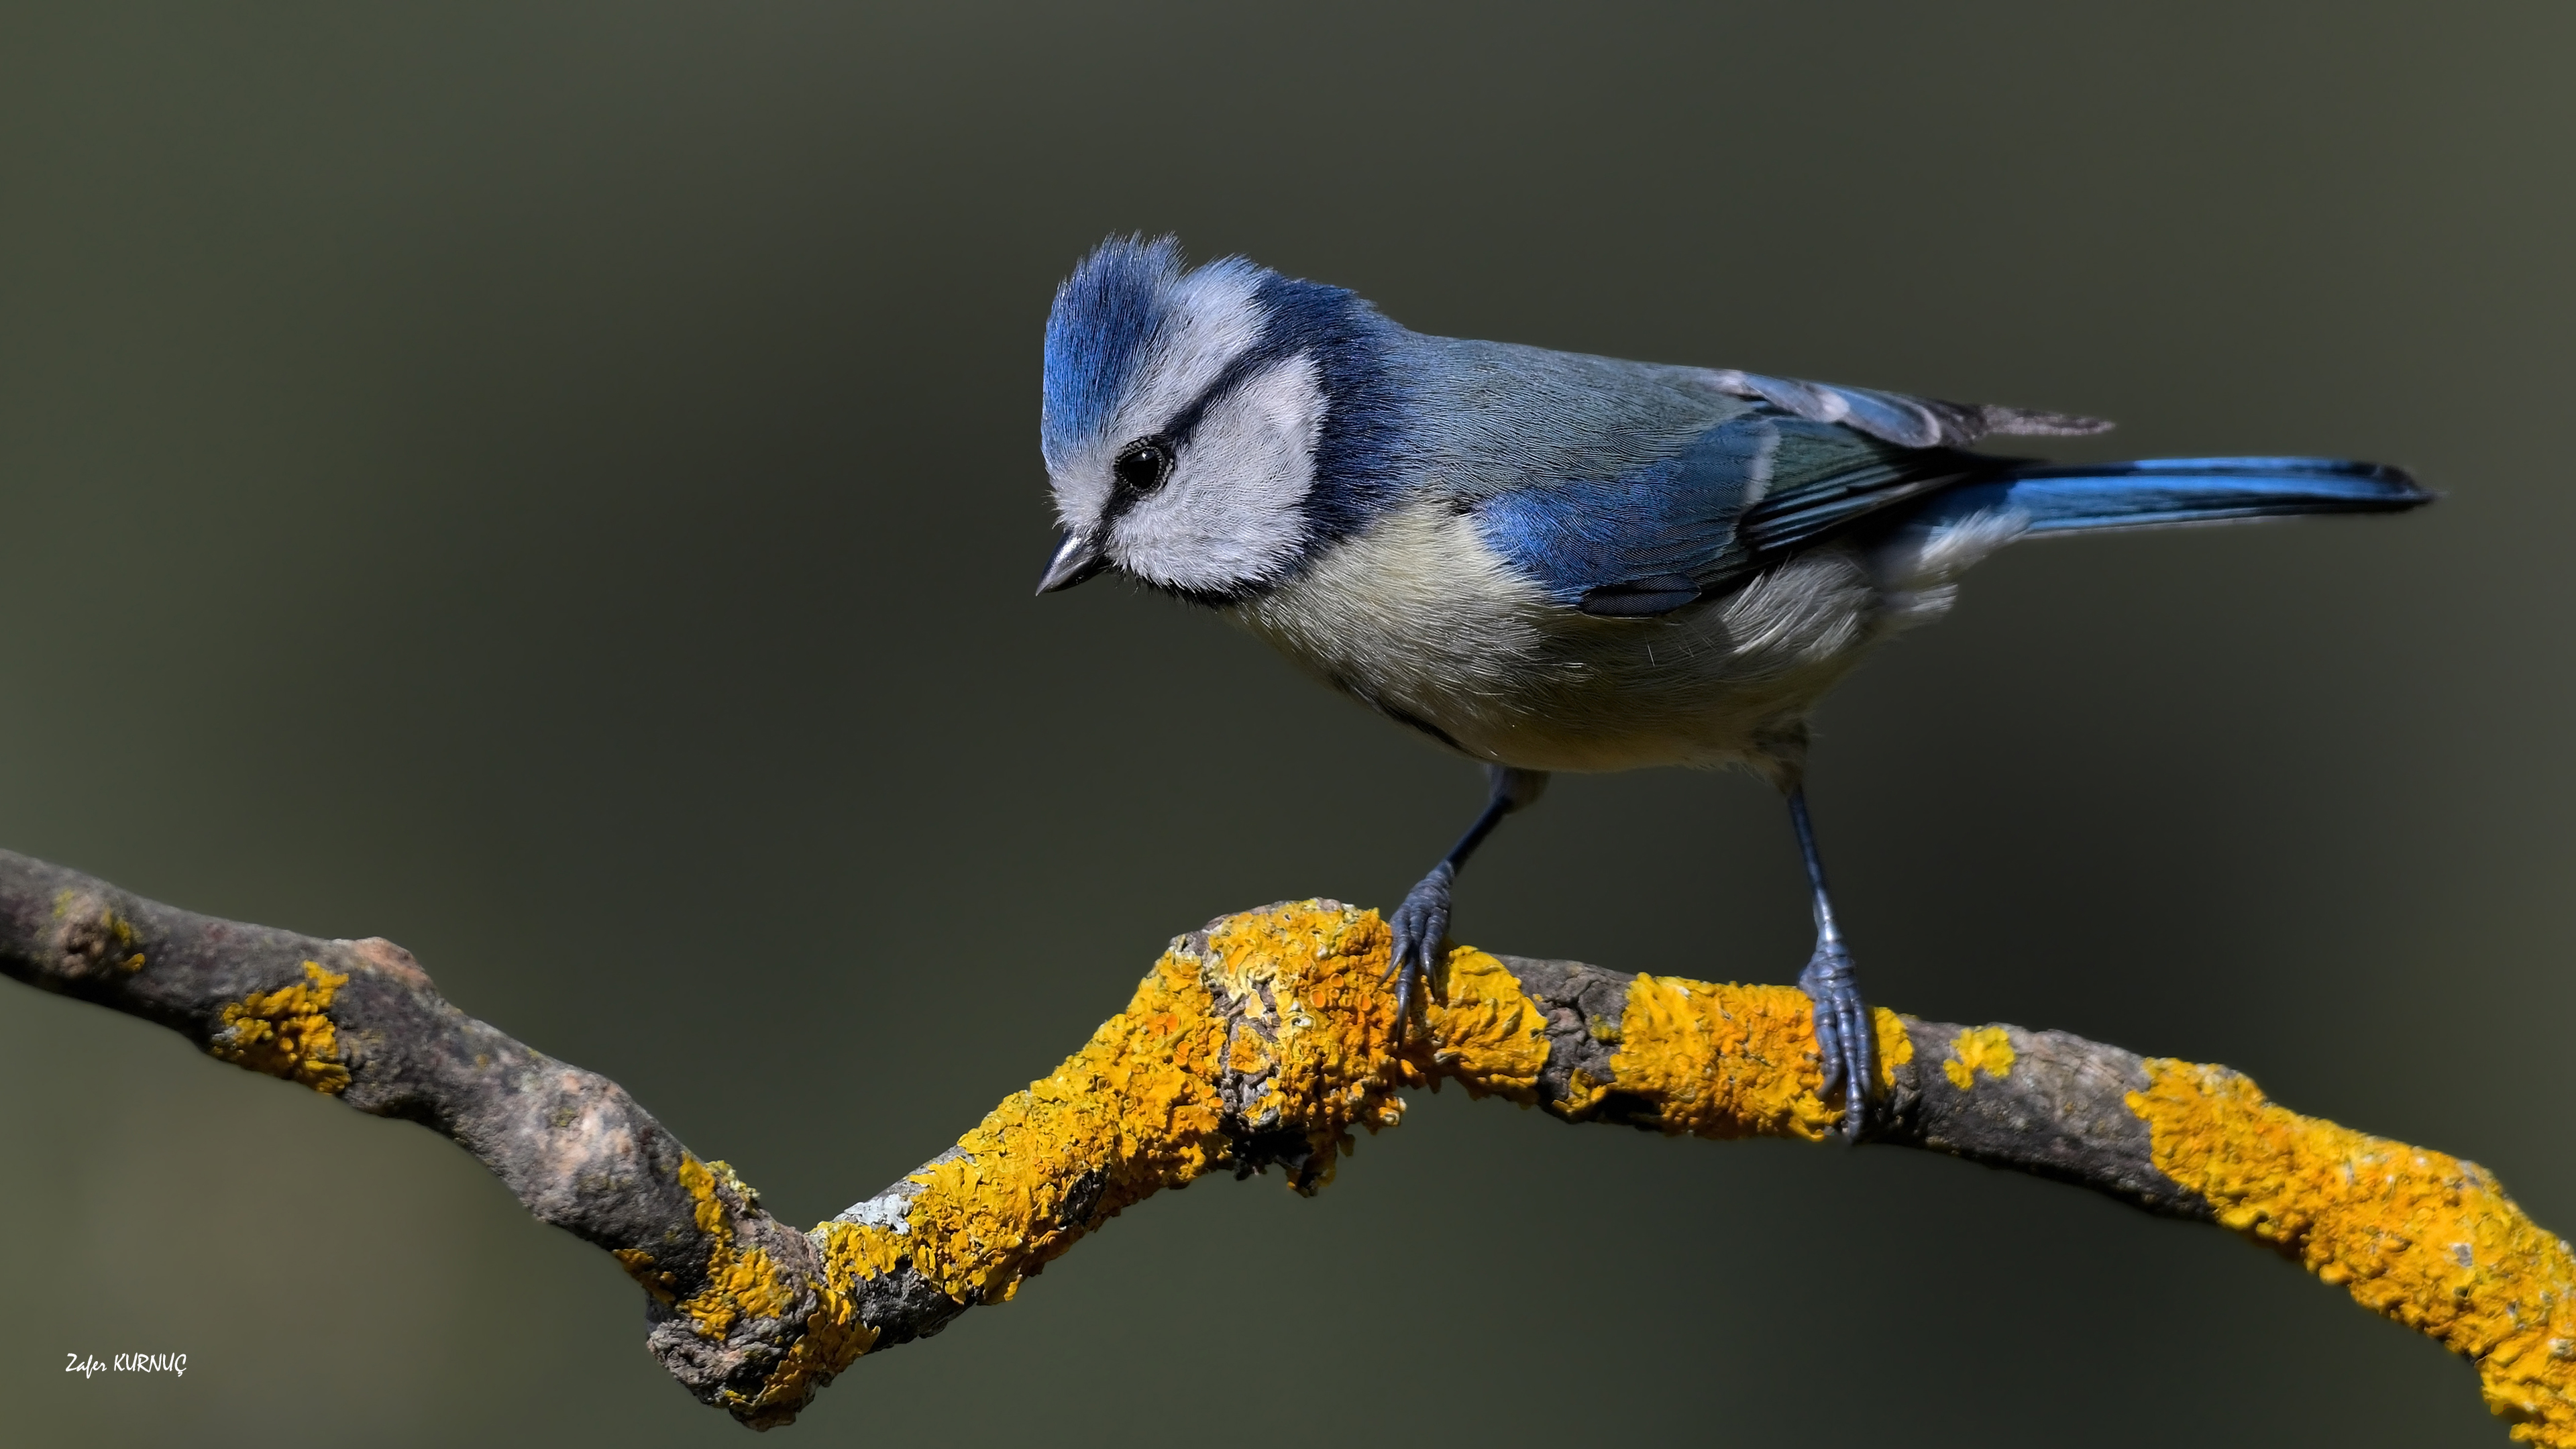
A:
(2158, 492)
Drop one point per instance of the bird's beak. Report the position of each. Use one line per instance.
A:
(1076, 559)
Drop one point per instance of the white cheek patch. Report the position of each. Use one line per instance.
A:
(1208, 320)
(1231, 513)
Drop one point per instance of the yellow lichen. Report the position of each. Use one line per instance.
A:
(853, 1252)
(1721, 1061)
(833, 1340)
(1137, 1109)
(1984, 1049)
(1895, 1045)
(1583, 1094)
(1486, 1030)
(2419, 1236)
(747, 1283)
(639, 1265)
(739, 1281)
(285, 1032)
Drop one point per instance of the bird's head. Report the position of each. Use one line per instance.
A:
(1205, 430)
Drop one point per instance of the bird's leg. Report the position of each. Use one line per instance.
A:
(1846, 1036)
(1423, 920)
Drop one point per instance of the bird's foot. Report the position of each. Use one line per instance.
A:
(1846, 1037)
(1420, 924)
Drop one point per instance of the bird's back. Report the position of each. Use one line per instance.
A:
(1492, 418)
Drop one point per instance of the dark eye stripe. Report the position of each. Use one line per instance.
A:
(1260, 357)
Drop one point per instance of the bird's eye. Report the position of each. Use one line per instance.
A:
(1144, 466)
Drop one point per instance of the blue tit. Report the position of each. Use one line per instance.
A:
(1545, 561)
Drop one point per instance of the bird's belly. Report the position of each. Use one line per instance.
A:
(1420, 621)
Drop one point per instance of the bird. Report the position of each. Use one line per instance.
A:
(1551, 562)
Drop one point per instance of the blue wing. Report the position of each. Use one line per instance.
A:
(1662, 535)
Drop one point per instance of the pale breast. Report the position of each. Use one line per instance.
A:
(1420, 620)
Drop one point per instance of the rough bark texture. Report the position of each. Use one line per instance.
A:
(1259, 1042)
(2061, 1112)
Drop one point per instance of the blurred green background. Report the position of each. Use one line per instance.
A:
(556, 485)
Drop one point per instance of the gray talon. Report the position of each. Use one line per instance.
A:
(1846, 1037)
(1420, 924)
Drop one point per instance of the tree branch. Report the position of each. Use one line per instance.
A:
(1260, 1042)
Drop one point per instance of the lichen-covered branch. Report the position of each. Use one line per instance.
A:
(1261, 1042)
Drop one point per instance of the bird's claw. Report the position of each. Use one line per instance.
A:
(1846, 1036)
(1420, 924)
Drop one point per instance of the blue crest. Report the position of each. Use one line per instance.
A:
(1104, 314)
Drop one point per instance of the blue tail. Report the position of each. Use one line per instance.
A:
(2161, 491)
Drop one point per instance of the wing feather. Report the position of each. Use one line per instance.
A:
(1894, 417)
(1660, 537)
